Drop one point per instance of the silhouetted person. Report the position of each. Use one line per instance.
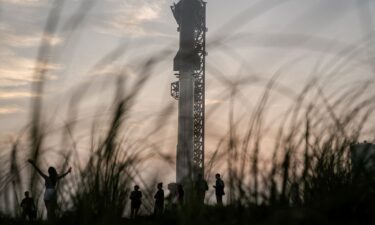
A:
(201, 187)
(172, 197)
(180, 195)
(219, 189)
(159, 200)
(50, 182)
(136, 201)
(28, 207)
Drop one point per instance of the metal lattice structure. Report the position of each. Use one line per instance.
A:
(191, 57)
(175, 90)
(199, 93)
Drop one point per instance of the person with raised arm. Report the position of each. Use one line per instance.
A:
(50, 182)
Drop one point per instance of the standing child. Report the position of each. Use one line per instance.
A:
(136, 201)
(28, 207)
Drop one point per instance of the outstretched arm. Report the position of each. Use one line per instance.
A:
(37, 168)
(66, 173)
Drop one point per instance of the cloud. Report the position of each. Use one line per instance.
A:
(214, 102)
(24, 2)
(131, 17)
(11, 39)
(4, 110)
(30, 40)
(16, 94)
(113, 70)
(17, 70)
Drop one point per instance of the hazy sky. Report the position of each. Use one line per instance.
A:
(256, 38)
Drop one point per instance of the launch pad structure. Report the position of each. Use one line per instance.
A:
(189, 90)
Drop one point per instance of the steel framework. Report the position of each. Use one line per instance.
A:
(193, 59)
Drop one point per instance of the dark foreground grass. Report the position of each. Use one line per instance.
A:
(334, 211)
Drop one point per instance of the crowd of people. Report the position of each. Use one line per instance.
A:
(175, 197)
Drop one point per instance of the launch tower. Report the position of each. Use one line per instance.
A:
(189, 90)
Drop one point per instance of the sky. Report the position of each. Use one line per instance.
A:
(298, 38)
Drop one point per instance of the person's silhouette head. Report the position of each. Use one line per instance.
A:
(136, 187)
(26, 194)
(160, 185)
(52, 172)
(217, 175)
